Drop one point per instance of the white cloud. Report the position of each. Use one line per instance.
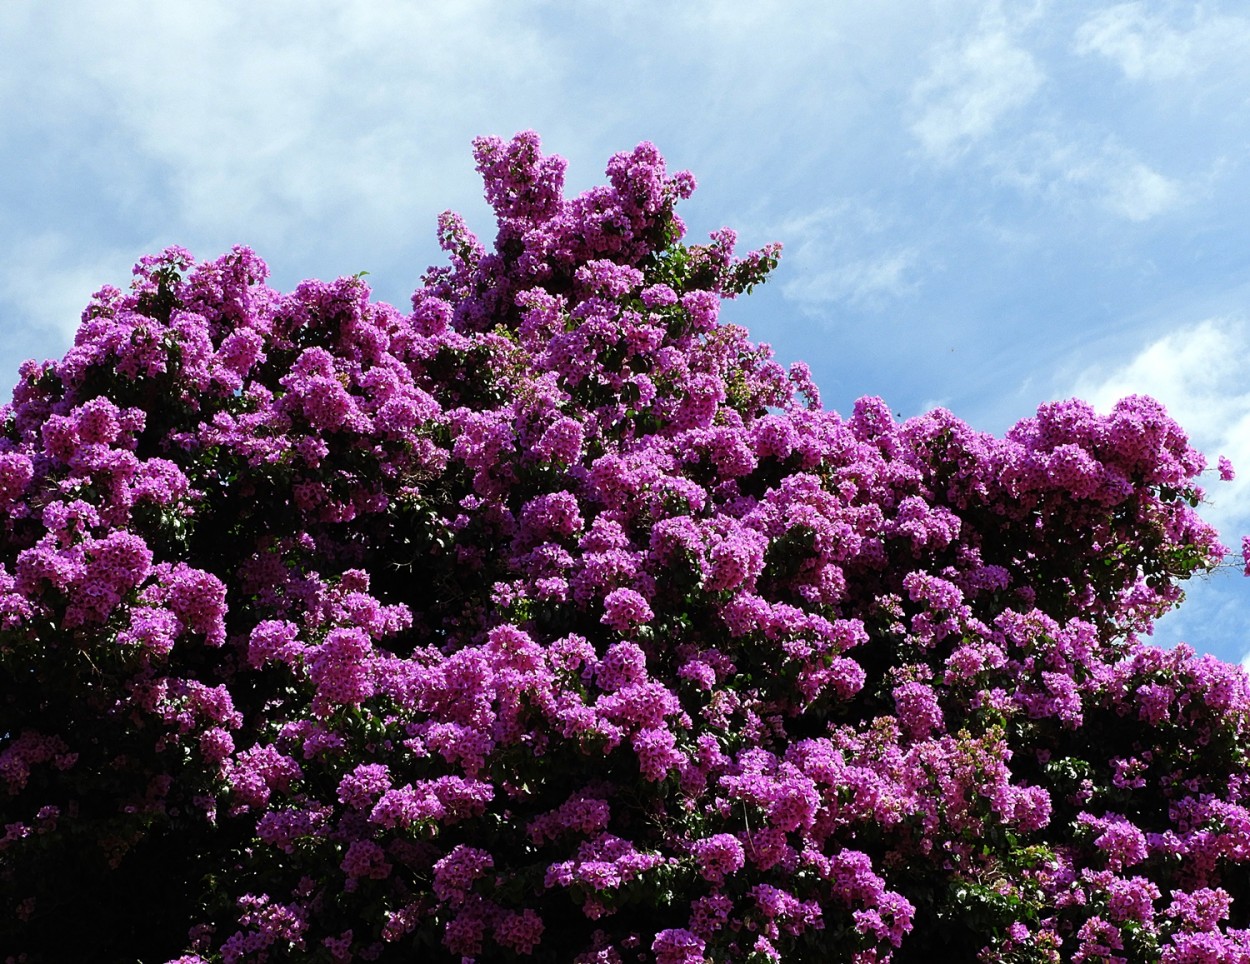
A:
(1140, 45)
(51, 299)
(1138, 192)
(991, 97)
(970, 89)
(864, 282)
(847, 252)
(1104, 175)
(1145, 46)
(256, 117)
(1191, 369)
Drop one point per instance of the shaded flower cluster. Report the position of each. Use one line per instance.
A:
(554, 620)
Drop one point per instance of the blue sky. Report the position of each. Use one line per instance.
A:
(984, 206)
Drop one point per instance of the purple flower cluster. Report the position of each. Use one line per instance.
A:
(555, 620)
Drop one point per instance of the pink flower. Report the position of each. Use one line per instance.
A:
(454, 874)
(364, 858)
(918, 711)
(521, 932)
(719, 855)
(624, 609)
(677, 946)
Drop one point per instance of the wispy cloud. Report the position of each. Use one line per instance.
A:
(1105, 175)
(236, 120)
(848, 253)
(1149, 47)
(1137, 191)
(988, 102)
(46, 283)
(969, 90)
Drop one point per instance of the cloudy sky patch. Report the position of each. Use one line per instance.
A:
(1157, 47)
(970, 89)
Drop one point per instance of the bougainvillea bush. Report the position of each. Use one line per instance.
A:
(556, 621)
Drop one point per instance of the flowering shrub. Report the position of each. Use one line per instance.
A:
(555, 621)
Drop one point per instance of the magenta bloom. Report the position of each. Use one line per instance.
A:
(677, 946)
(624, 609)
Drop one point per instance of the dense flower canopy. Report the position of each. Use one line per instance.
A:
(556, 621)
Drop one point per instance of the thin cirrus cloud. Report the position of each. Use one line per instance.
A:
(984, 98)
(44, 284)
(1147, 47)
(1138, 192)
(848, 253)
(232, 123)
(988, 102)
(970, 90)
(1087, 174)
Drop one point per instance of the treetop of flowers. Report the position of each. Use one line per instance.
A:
(555, 620)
